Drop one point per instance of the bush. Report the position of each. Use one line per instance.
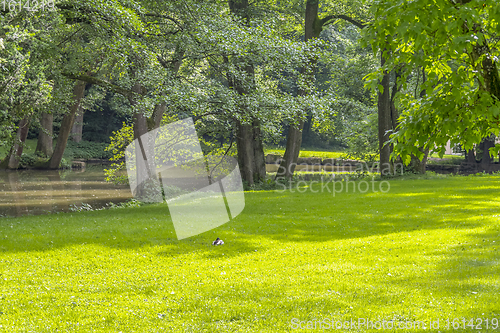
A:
(87, 150)
(32, 160)
(28, 160)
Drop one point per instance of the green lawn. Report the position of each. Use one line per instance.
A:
(426, 250)
(308, 153)
(29, 148)
(337, 154)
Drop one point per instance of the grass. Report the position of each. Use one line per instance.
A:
(427, 249)
(29, 148)
(339, 154)
(436, 155)
(308, 153)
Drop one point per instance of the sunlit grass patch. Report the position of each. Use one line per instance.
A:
(427, 249)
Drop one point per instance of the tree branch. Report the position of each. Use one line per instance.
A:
(329, 18)
(129, 94)
(166, 17)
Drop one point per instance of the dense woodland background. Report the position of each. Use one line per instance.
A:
(384, 77)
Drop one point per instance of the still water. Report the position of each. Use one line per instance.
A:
(33, 192)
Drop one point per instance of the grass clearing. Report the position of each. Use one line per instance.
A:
(341, 154)
(309, 153)
(428, 249)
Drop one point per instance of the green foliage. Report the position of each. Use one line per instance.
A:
(362, 138)
(351, 110)
(126, 204)
(456, 160)
(119, 141)
(88, 150)
(65, 163)
(28, 160)
(32, 160)
(456, 46)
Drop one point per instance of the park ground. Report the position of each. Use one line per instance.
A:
(426, 250)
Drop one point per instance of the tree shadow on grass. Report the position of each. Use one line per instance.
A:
(465, 279)
(125, 228)
(302, 217)
(282, 216)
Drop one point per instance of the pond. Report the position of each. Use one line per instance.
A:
(33, 192)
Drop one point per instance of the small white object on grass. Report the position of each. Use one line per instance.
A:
(218, 241)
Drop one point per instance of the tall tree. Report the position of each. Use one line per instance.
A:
(313, 25)
(66, 125)
(454, 42)
(248, 134)
(44, 143)
(312, 29)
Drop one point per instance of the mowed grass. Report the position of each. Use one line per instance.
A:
(336, 154)
(309, 153)
(427, 249)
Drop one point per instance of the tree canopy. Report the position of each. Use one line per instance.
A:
(455, 43)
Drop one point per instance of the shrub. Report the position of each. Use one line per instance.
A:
(88, 150)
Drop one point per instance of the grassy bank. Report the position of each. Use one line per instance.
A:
(425, 250)
(308, 153)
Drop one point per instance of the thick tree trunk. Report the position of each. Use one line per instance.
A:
(244, 144)
(258, 153)
(292, 150)
(384, 123)
(44, 144)
(66, 125)
(77, 129)
(12, 160)
(251, 159)
(417, 165)
(312, 29)
(470, 157)
(487, 144)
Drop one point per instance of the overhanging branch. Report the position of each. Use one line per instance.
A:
(349, 19)
(129, 94)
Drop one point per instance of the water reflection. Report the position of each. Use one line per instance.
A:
(41, 191)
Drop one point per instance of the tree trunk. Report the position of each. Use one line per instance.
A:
(417, 165)
(14, 157)
(488, 143)
(77, 129)
(258, 153)
(44, 144)
(244, 144)
(148, 189)
(294, 138)
(292, 150)
(306, 131)
(470, 157)
(251, 159)
(384, 122)
(66, 125)
(155, 120)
